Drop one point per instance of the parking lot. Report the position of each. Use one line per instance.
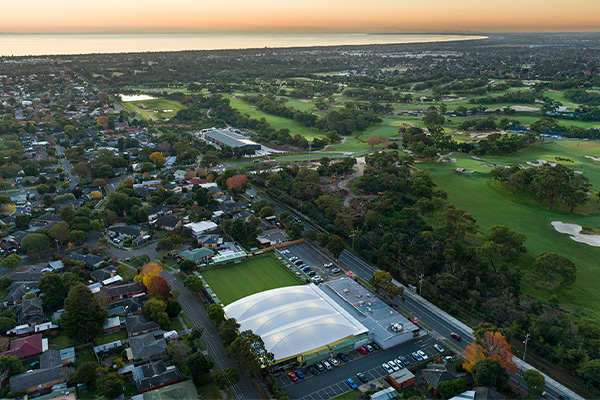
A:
(332, 383)
(313, 259)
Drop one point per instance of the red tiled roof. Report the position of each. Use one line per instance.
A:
(25, 347)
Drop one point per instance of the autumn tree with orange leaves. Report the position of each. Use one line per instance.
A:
(237, 183)
(149, 272)
(102, 120)
(492, 346)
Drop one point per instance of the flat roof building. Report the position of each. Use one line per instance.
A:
(224, 137)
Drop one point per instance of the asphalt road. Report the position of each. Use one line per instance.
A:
(197, 317)
(332, 383)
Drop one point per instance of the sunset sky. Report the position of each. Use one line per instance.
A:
(285, 15)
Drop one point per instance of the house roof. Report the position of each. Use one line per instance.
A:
(179, 391)
(436, 373)
(25, 347)
(89, 259)
(130, 305)
(167, 220)
(196, 254)
(35, 378)
(126, 289)
(131, 230)
(50, 359)
(146, 346)
(154, 374)
(139, 323)
(104, 273)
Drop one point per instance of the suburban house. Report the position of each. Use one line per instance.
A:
(200, 228)
(104, 273)
(133, 231)
(30, 311)
(139, 325)
(154, 375)
(130, 306)
(120, 292)
(210, 241)
(17, 290)
(197, 255)
(27, 347)
(402, 379)
(146, 347)
(155, 212)
(167, 222)
(90, 260)
(54, 266)
(41, 380)
(113, 324)
(433, 374)
(182, 390)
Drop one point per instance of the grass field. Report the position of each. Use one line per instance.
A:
(233, 282)
(158, 109)
(493, 205)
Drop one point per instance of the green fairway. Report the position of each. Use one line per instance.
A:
(275, 121)
(493, 205)
(156, 109)
(234, 282)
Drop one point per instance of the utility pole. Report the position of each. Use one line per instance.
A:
(421, 276)
(353, 235)
(525, 342)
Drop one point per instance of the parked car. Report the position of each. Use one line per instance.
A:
(300, 374)
(405, 360)
(298, 262)
(292, 377)
(375, 346)
(327, 265)
(336, 271)
(333, 362)
(370, 348)
(438, 348)
(326, 364)
(311, 273)
(351, 383)
(313, 370)
(393, 365)
(399, 362)
(306, 268)
(387, 368)
(293, 258)
(362, 377)
(448, 358)
(455, 336)
(343, 358)
(320, 367)
(417, 356)
(363, 350)
(422, 354)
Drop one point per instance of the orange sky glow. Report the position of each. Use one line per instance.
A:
(154, 16)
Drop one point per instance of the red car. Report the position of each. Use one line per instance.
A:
(363, 349)
(293, 377)
(455, 336)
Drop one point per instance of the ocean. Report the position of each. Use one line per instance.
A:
(49, 44)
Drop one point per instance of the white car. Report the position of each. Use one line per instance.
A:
(438, 348)
(334, 362)
(387, 368)
(327, 265)
(422, 354)
(326, 364)
(393, 365)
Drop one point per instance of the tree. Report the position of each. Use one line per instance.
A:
(193, 283)
(373, 140)
(455, 222)
(158, 159)
(502, 242)
(199, 366)
(187, 266)
(110, 385)
(87, 372)
(173, 308)
(227, 377)
(449, 389)
(215, 313)
(179, 351)
(11, 261)
(382, 282)
(8, 320)
(489, 373)
(9, 366)
(53, 289)
(156, 310)
(22, 222)
(237, 183)
(149, 272)
(336, 245)
(494, 347)
(34, 244)
(102, 120)
(59, 232)
(555, 270)
(249, 351)
(83, 316)
(535, 382)
(266, 211)
(165, 245)
(159, 288)
(228, 331)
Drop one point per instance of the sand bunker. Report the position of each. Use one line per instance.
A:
(541, 162)
(573, 231)
(461, 170)
(593, 158)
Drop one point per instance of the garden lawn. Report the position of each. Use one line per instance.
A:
(493, 205)
(236, 281)
(126, 272)
(111, 337)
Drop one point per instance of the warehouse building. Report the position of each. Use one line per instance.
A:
(298, 323)
(226, 137)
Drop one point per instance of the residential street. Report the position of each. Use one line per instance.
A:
(197, 316)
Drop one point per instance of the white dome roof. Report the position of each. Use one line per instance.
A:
(294, 320)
